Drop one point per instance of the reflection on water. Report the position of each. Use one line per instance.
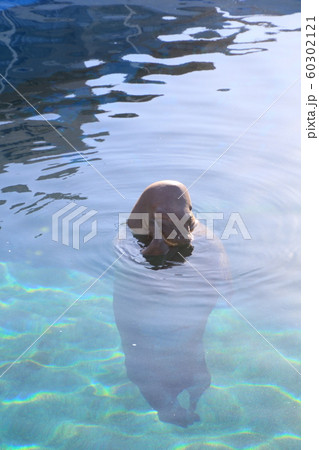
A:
(147, 93)
(67, 57)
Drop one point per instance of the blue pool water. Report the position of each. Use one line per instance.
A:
(138, 92)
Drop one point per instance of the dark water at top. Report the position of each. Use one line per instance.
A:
(140, 92)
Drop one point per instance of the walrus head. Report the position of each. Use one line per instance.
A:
(163, 217)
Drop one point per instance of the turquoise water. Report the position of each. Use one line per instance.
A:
(147, 93)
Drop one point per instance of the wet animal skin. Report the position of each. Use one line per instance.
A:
(160, 314)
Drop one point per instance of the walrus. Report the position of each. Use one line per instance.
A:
(163, 198)
(161, 307)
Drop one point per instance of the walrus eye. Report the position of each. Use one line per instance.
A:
(190, 207)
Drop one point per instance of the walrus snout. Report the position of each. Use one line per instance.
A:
(179, 240)
(157, 247)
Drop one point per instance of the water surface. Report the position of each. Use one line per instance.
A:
(147, 93)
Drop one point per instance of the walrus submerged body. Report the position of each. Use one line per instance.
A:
(161, 311)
